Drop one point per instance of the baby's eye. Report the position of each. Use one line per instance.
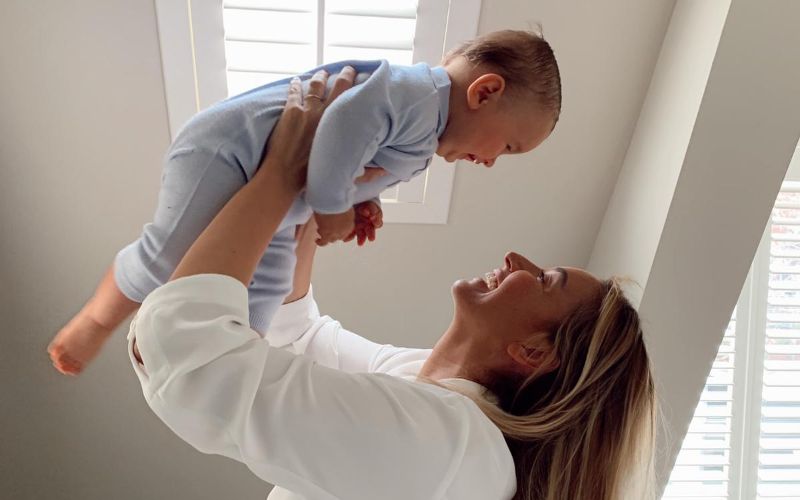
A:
(508, 147)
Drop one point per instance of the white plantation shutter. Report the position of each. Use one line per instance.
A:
(702, 469)
(212, 49)
(744, 440)
(779, 439)
(267, 40)
(359, 29)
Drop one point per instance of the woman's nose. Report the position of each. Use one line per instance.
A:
(515, 262)
(488, 163)
(511, 261)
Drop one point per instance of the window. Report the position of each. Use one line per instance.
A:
(304, 34)
(744, 439)
(211, 50)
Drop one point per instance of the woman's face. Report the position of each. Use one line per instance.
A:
(519, 299)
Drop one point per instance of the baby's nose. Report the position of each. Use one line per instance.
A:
(488, 163)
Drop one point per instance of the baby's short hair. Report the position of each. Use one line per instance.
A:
(524, 59)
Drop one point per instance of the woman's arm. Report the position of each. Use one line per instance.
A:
(305, 251)
(238, 236)
(299, 327)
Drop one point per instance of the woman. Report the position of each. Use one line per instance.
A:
(539, 389)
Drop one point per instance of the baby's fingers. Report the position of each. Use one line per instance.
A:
(362, 237)
(377, 219)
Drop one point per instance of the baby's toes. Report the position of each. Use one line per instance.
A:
(69, 364)
(57, 356)
(55, 349)
(69, 367)
(72, 370)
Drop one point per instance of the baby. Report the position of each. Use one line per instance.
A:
(497, 94)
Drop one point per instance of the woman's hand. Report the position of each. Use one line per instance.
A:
(334, 227)
(289, 146)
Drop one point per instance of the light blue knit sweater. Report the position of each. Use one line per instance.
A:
(392, 118)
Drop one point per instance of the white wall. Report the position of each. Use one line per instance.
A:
(83, 127)
(632, 224)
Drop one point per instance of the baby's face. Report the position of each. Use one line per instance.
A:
(483, 134)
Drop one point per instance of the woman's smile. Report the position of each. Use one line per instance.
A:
(491, 280)
(494, 278)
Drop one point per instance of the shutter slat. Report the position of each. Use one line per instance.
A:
(403, 57)
(786, 237)
(369, 32)
(268, 57)
(277, 26)
(399, 9)
(264, 40)
(273, 5)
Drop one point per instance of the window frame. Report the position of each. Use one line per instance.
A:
(191, 37)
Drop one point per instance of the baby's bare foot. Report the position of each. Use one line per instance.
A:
(76, 345)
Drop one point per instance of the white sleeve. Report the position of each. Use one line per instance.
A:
(299, 328)
(322, 433)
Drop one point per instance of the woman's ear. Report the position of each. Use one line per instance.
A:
(531, 358)
(484, 89)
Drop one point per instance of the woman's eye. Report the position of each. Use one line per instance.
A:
(508, 147)
(541, 276)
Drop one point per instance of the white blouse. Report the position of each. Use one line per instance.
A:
(314, 409)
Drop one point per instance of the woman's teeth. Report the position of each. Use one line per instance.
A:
(491, 280)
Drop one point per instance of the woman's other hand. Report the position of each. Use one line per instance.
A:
(289, 145)
(334, 227)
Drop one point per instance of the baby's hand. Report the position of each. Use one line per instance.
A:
(369, 217)
(334, 227)
(370, 174)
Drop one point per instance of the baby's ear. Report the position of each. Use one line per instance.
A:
(486, 88)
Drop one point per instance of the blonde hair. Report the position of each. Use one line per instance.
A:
(585, 431)
(524, 59)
